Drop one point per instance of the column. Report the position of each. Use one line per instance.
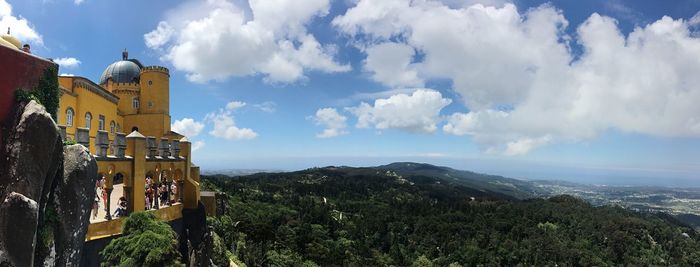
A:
(180, 183)
(136, 143)
(109, 204)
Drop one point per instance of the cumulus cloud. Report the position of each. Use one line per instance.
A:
(267, 106)
(67, 62)
(225, 126)
(160, 36)
(234, 105)
(520, 79)
(197, 145)
(390, 64)
(418, 112)
(272, 40)
(187, 127)
(333, 122)
(19, 26)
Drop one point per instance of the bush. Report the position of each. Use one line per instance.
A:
(46, 92)
(146, 241)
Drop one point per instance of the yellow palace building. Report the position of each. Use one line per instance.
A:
(124, 119)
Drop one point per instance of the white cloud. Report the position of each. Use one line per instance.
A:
(521, 81)
(234, 105)
(272, 41)
(19, 26)
(78, 2)
(67, 74)
(197, 145)
(267, 106)
(333, 122)
(160, 36)
(67, 62)
(418, 112)
(187, 127)
(390, 64)
(225, 126)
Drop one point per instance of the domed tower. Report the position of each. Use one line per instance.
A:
(122, 79)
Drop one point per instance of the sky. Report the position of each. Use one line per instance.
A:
(590, 91)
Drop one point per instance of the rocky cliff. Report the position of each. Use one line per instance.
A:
(46, 190)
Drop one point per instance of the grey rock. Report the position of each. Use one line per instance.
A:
(73, 199)
(33, 155)
(18, 224)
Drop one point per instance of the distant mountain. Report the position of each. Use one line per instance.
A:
(520, 189)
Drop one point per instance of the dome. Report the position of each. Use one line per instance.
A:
(11, 39)
(123, 71)
(7, 44)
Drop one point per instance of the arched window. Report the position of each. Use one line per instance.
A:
(119, 128)
(88, 120)
(112, 127)
(69, 117)
(135, 102)
(101, 125)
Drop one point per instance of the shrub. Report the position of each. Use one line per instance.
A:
(146, 241)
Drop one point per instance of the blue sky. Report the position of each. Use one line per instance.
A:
(591, 91)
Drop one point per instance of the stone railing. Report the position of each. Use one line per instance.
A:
(164, 148)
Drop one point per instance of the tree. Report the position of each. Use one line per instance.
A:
(146, 241)
(422, 261)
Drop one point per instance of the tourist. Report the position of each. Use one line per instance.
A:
(95, 207)
(163, 194)
(121, 208)
(104, 197)
(173, 192)
(149, 197)
(26, 48)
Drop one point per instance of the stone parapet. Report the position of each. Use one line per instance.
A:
(82, 136)
(102, 143)
(151, 146)
(120, 145)
(164, 149)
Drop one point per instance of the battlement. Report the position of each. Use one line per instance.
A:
(155, 68)
(134, 84)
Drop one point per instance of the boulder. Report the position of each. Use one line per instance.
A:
(18, 224)
(73, 199)
(33, 154)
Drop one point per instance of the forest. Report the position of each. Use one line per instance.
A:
(341, 216)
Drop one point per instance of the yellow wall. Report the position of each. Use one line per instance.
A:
(87, 101)
(149, 124)
(126, 93)
(67, 100)
(155, 91)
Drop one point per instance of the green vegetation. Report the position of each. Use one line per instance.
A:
(69, 142)
(368, 217)
(46, 92)
(146, 241)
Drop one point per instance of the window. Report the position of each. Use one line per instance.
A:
(119, 128)
(88, 120)
(101, 124)
(112, 127)
(135, 102)
(150, 104)
(69, 117)
(150, 82)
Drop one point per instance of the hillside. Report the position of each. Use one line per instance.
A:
(406, 213)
